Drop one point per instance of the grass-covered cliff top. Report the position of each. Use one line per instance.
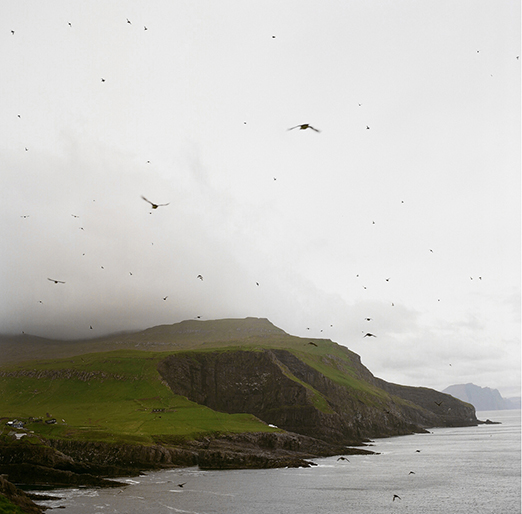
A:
(110, 390)
(115, 396)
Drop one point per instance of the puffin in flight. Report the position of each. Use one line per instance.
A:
(155, 205)
(304, 126)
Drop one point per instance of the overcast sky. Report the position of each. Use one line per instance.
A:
(404, 208)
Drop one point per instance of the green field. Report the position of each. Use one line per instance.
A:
(115, 397)
(7, 507)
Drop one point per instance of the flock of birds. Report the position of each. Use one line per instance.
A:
(155, 206)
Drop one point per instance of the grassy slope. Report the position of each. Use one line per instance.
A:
(114, 408)
(8, 507)
(119, 406)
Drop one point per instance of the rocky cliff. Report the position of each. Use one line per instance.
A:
(279, 388)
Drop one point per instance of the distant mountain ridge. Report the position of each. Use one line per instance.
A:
(482, 398)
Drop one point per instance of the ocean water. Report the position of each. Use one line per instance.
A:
(457, 470)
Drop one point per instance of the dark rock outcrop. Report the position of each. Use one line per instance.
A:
(17, 498)
(439, 409)
(69, 462)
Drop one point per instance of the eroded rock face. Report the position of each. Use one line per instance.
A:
(278, 388)
(75, 463)
(18, 497)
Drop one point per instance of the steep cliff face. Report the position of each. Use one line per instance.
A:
(281, 389)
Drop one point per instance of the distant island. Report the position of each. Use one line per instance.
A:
(482, 398)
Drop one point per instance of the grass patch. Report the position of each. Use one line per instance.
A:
(8, 507)
(113, 397)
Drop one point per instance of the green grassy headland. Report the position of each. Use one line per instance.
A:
(115, 393)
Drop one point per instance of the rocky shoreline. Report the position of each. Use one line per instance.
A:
(63, 463)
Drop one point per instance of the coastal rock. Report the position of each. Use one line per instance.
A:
(17, 498)
(70, 462)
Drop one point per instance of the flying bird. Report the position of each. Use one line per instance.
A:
(343, 458)
(12, 32)
(103, 80)
(155, 205)
(200, 277)
(438, 403)
(312, 343)
(369, 335)
(165, 297)
(56, 281)
(181, 485)
(396, 496)
(411, 473)
(128, 21)
(304, 126)
(368, 319)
